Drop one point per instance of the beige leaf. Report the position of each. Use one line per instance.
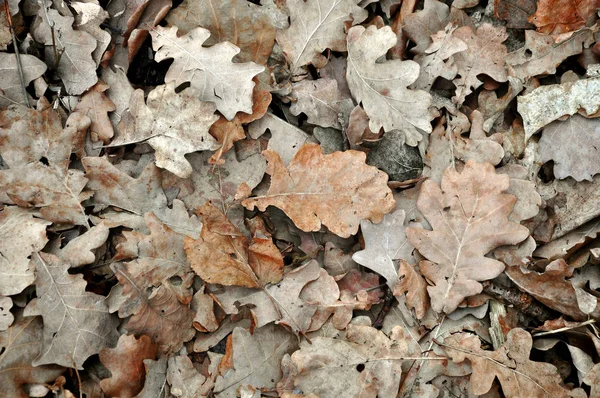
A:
(414, 286)
(548, 103)
(485, 54)
(6, 317)
(574, 146)
(461, 213)
(186, 381)
(382, 87)
(10, 82)
(256, 359)
(421, 25)
(317, 25)
(174, 124)
(321, 101)
(208, 69)
(77, 323)
(510, 364)
(20, 344)
(156, 378)
(336, 190)
(20, 235)
(96, 105)
(76, 67)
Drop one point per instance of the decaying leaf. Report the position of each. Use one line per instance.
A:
(560, 16)
(462, 212)
(208, 69)
(574, 146)
(515, 12)
(339, 189)
(224, 255)
(548, 103)
(420, 26)
(96, 105)
(11, 91)
(174, 124)
(126, 365)
(322, 102)
(470, 63)
(21, 344)
(186, 381)
(382, 87)
(517, 374)
(77, 323)
(414, 286)
(317, 25)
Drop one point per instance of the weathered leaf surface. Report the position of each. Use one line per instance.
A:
(209, 70)
(414, 287)
(574, 146)
(337, 190)
(77, 323)
(510, 364)
(96, 105)
(317, 25)
(382, 87)
(461, 213)
(21, 344)
(174, 124)
(421, 25)
(322, 102)
(10, 82)
(560, 16)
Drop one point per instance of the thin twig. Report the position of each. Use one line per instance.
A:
(17, 55)
(588, 322)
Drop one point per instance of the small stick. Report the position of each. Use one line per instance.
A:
(17, 55)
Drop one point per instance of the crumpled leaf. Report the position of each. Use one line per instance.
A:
(485, 54)
(574, 146)
(552, 289)
(560, 16)
(96, 105)
(317, 25)
(249, 26)
(322, 102)
(510, 364)
(20, 235)
(385, 242)
(163, 313)
(126, 365)
(224, 255)
(435, 60)
(548, 103)
(174, 124)
(37, 150)
(11, 91)
(382, 87)
(280, 303)
(542, 53)
(208, 69)
(365, 363)
(76, 67)
(313, 181)
(256, 359)
(77, 323)
(460, 213)
(21, 344)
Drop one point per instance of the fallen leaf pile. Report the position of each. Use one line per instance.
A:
(299, 198)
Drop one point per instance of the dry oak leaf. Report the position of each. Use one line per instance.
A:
(126, 365)
(209, 70)
(518, 375)
(174, 124)
(485, 54)
(11, 91)
(574, 146)
(77, 323)
(75, 66)
(382, 87)
(421, 25)
(249, 26)
(21, 234)
(515, 12)
(592, 379)
(414, 286)
(96, 105)
(6, 317)
(224, 255)
(469, 218)
(336, 190)
(280, 303)
(365, 364)
(20, 345)
(385, 243)
(163, 312)
(256, 359)
(553, 17)
(317, 25)
(37, 150)
(186, 381)
(156, 378)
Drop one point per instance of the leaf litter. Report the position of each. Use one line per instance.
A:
(299, 198)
